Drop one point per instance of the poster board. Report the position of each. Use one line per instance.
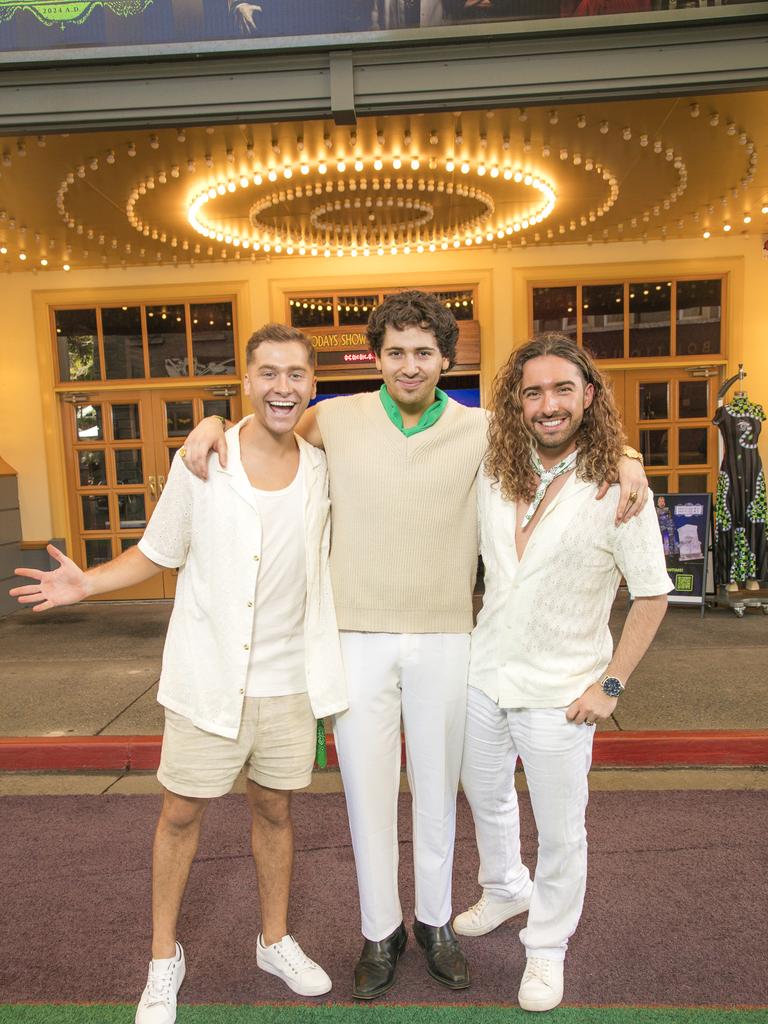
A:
(684, 522)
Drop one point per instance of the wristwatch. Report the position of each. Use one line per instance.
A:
(632, 453)
(612, 687)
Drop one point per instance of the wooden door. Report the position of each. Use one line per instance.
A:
(668, 417)
(119, 446)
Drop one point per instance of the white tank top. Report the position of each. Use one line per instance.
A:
(276, 667)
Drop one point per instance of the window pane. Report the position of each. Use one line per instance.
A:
(694, 398)
(654, 444)
(167, 337)
(95, 512)
(461, 304)
(649, 314)
(698, 317)
(659, 483)
(128, 466)
(88, 423)
(217, 407)
(128, 542)
(170, 454)
(554, 309)
(125, 422)
(213, 339)
(97, 552)
(131, 510)
(693, 446)
(311, 312)
(654, 401)
(602, 320)
(693, 483)
(179, 418)
(93, 470)
(354, 310)
(123, 350)
(77, 344)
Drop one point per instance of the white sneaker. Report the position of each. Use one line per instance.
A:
(158, 1000)
(488, 913)
(542, 984)
(288, 961)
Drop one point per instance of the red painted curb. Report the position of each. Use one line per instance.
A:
(647, 749)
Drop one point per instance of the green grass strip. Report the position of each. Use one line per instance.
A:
(109, 1013)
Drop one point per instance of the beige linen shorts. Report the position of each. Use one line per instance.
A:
(276, 745)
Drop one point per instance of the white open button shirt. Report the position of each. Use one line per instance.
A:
(211, 530)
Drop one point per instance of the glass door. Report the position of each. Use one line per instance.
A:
(668, 417)
(119, 447)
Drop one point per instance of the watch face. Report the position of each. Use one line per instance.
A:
(611, 686)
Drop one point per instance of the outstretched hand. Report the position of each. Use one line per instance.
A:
(246, 14)
(65, 585)
(207, 436)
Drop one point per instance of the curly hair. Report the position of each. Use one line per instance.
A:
(414, 309)
(600, 436)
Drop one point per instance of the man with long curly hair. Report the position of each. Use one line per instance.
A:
(542, 669)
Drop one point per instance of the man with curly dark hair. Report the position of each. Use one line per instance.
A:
(402, 465)
(542, 669)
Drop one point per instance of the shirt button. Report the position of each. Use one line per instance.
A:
(242, 691)
(255, 558)
(250, 604)
(246, 647)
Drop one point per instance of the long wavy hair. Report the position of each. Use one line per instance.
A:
(600, 436)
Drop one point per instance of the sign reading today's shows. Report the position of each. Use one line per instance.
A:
(342, 350)
(684, 524)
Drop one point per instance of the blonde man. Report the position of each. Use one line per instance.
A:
(252, 655)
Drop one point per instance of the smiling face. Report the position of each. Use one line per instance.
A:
(279, 383)
(554, 396)
(411, 363)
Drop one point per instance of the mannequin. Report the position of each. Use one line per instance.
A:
(741, 554)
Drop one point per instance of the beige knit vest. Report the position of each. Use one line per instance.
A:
(404, 521)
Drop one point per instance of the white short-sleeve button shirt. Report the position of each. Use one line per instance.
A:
(542, 636)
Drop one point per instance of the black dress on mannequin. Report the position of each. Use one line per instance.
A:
(740, 513)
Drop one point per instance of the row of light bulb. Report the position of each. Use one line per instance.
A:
(746, 219)
(23, 257)
(222, 188)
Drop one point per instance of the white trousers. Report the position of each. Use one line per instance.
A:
(556, 756)
(422, 676)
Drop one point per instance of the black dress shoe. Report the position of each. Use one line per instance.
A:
(445, 961)
(375, 970)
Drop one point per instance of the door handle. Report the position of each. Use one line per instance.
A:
(152, 488)
(161, 483)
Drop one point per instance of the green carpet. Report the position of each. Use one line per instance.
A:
(109, 1013)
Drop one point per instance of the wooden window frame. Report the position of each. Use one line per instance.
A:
(104, 382)
(628, 361)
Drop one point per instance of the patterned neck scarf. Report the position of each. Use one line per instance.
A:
(546, 476)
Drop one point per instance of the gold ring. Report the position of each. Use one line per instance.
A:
(632, 498)
(183, 451)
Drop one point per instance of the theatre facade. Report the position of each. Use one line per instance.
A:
(174, 175)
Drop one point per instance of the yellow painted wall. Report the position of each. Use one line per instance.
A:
(29, 422)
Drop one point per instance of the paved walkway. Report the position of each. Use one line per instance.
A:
(92, 670)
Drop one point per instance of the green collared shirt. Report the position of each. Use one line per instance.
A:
(428, 417)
